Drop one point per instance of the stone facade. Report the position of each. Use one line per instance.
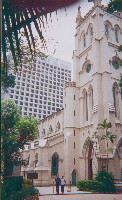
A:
(92, 97)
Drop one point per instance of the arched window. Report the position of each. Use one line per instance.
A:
(55, 160)
(91, 32)
(88, 68)
(85, 106)
(108, 27)
(116, 35)
(115, 62)
(116, 100)
(84, 40)
(107, 31)
(90, 101)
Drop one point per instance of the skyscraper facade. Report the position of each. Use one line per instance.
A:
(39, 89)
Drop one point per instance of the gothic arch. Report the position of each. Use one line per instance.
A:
(117, 26)
(109, 23)
(108, 28)
(74, 176)
(87, 153)
(85, 64)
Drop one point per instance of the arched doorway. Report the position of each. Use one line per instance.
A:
(87, 153)
(55, 159)
(74, 177)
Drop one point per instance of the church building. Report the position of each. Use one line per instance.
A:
(93, 96)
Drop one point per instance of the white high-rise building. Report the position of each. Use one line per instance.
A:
(39, 89)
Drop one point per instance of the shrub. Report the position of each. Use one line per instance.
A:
(107, 180)
(104, 182)
(25, 192)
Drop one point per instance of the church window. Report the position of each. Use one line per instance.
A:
(85, 106)
(88, 68)
(115, 64)
(74, 161)
(116, 35)
(74, 145)
(74, 97)
(55, 161)
(91, 31)
(74, 132)
(116, 100)
(107, 30)
(74, 112)
(84, 40)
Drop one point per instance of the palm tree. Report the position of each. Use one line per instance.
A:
(20, 15)
(108, 135)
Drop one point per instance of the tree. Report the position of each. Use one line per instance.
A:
(107, 136)
(16, 131)
(114, 5)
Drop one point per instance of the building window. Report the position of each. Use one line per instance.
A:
(55, 160)
(84, 40)
(88, 68)
(107, 31)
(74, 112)
(115, 64)
(74, 97)
(116, 100)
(116, 35)
(91, 32)
(74, 161)
(85, 106)
(74, 132)
(74, 145)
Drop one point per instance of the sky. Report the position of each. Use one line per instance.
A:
(60, 30)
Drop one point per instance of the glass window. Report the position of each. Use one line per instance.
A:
(88, 68)
(116, 35)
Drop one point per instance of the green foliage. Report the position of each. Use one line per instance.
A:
(107, 180)
(103, 182)
(15, 131)
(12, 184)
(20, 194)
(28, 129)
(89, 185)
(114, 5)
(8, 80)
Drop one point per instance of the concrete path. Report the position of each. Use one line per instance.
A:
(82, 197)
(49, 190)
(46, 193)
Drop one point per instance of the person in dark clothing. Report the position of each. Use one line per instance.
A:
(58, 181)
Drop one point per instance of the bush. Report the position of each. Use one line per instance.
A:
(104, 182)
(25, 192)
(89, 185)
(107, 180)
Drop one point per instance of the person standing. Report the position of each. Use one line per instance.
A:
(58, 182)
(63, 182)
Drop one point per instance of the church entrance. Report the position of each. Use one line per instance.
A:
(74, 177)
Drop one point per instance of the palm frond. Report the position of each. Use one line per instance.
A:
(17, 15)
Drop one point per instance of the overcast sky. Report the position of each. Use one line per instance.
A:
(60, 32)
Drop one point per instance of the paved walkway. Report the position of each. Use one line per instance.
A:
(46, 193)
(49, 190)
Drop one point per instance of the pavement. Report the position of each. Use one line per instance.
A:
(47, 193)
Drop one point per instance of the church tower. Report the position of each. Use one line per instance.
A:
(96, 72)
